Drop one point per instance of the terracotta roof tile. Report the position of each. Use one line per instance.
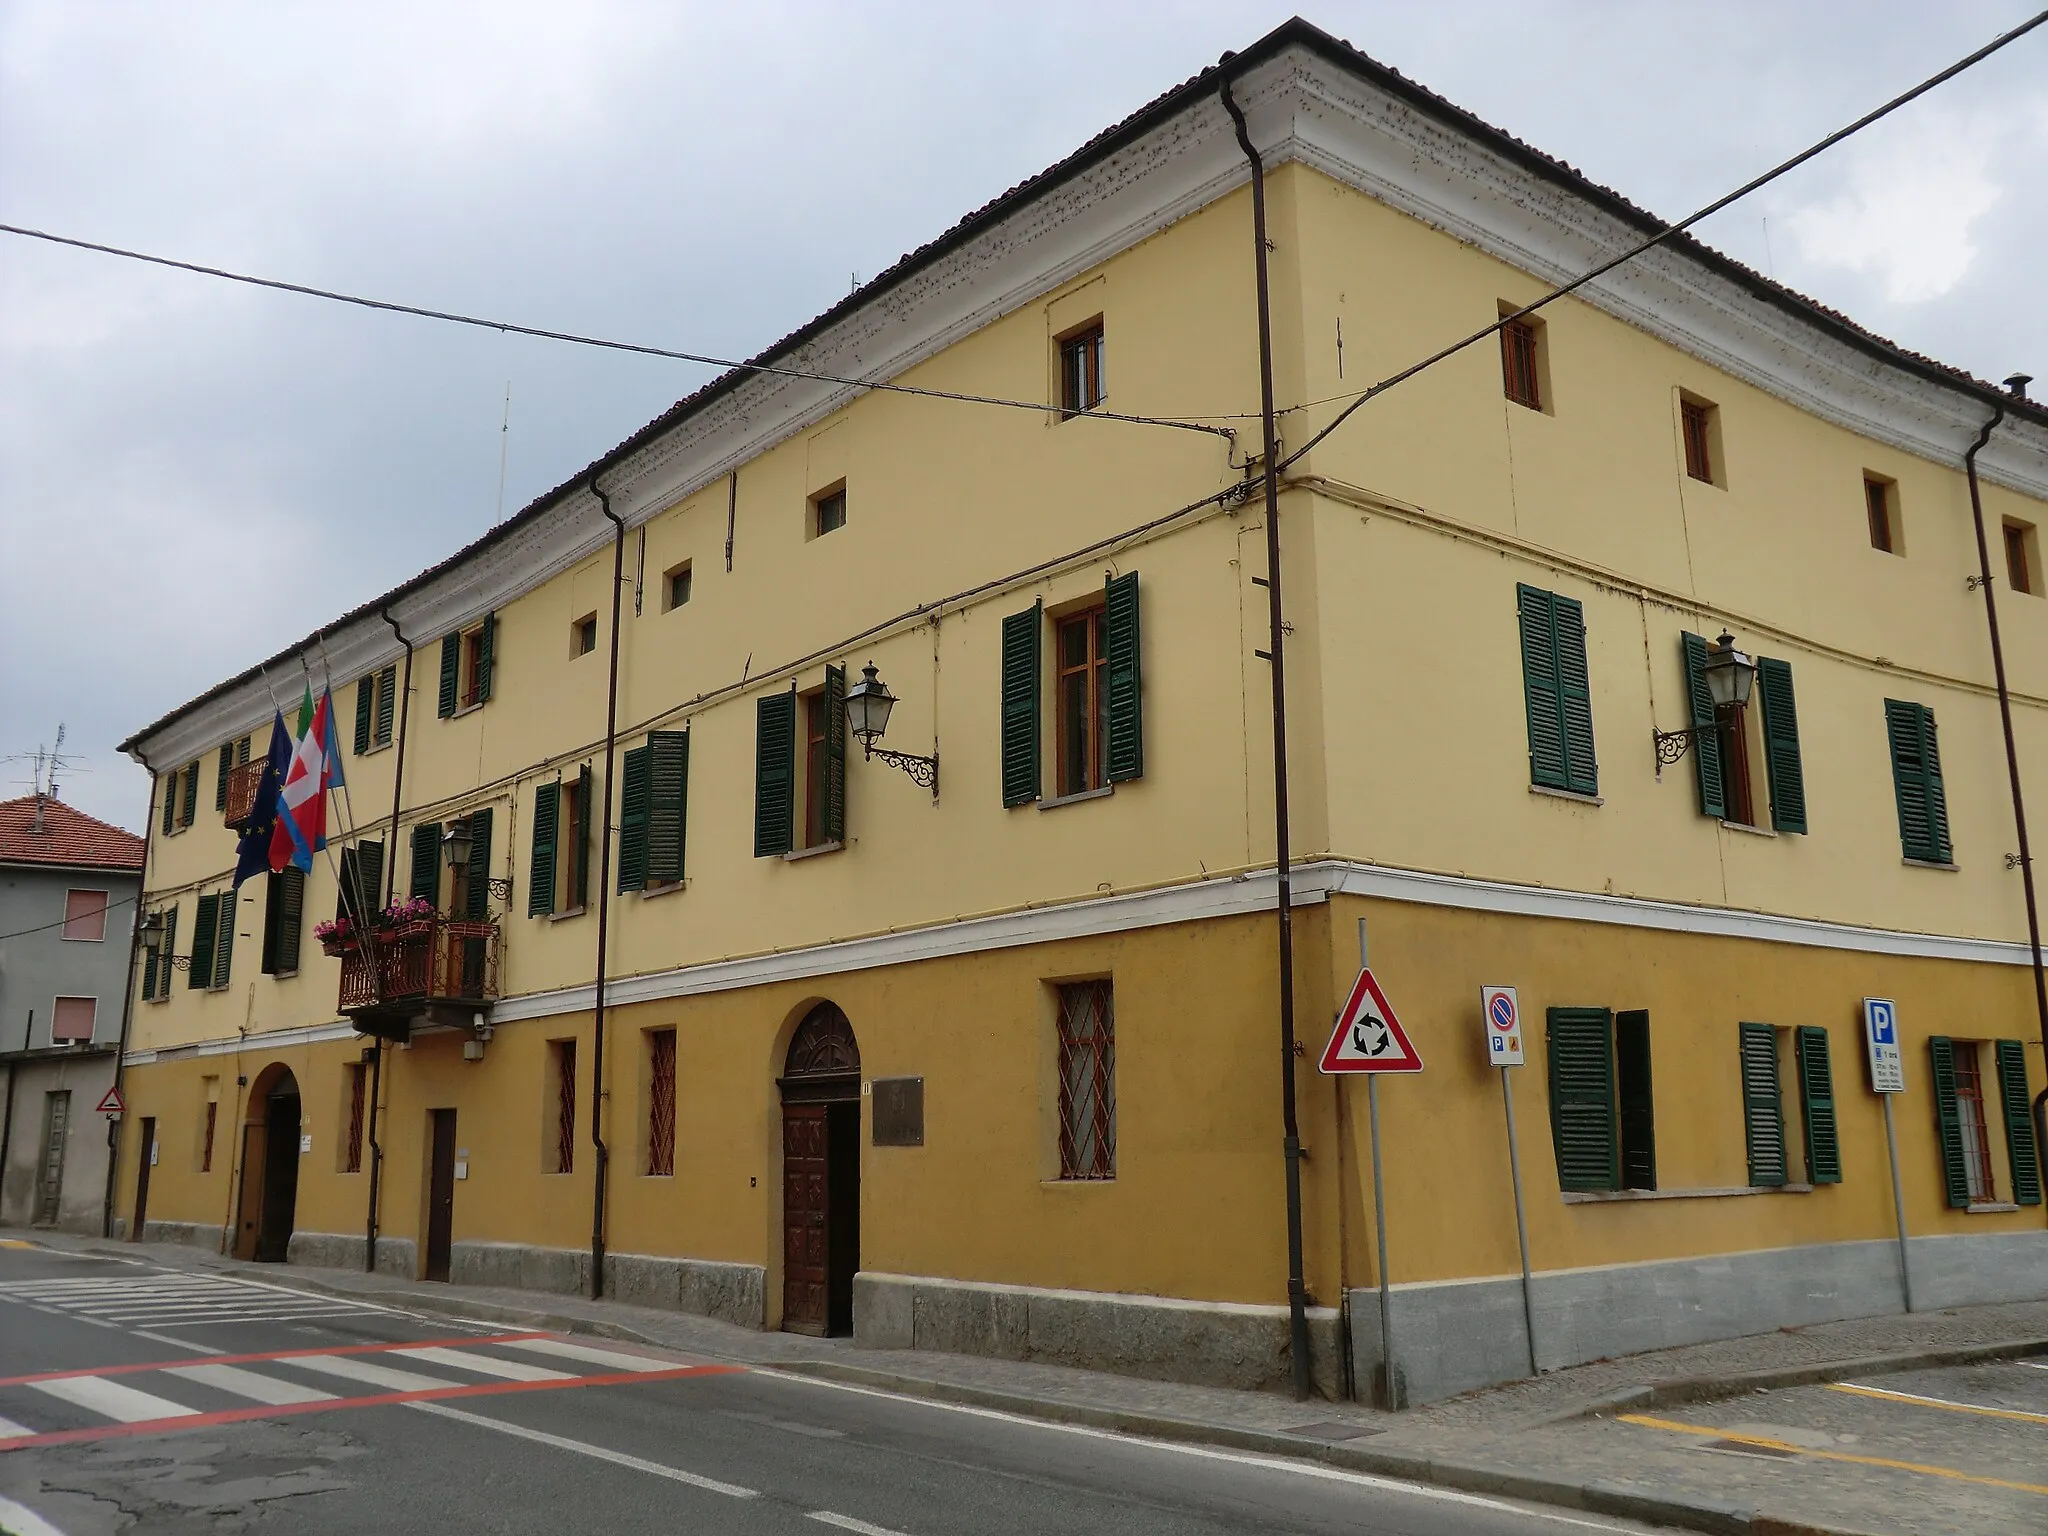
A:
(67, 837)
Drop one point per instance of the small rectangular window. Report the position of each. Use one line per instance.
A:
(1699, 422)
(207, 1129)
(72, 1018)
(828, 511)
(676, 587)
(1975, 1128)
(85, 916)
(1081, 666)
(562, 1106)
(1521, 379)
(1878, 498)
(583, 635)
(817, 735)
(1087, 1038)
(2019, 558)
(1081, 373)
(358, 1105)
(661, 1102)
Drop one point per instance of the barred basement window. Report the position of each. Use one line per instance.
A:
(358, 1083)
(1081, 375)
(661, 1102)
(1087, 1027)
(206, 1136)
(1700, 424)
(564, 1074)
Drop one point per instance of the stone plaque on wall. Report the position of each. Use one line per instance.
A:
(899, 1111)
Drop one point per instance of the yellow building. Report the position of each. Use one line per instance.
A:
(990, 1063)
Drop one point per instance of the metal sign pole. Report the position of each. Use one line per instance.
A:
(1891, 1146)
(1507, 1099)
(1390, 1393)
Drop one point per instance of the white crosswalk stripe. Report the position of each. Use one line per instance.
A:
(610, 1358)
(250, 1384)
(178, 1300)
(116, 1399)
(9, 1430)
(487, 1365)
(355, 1369)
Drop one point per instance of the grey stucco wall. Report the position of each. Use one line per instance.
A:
(82, 1194)
(41, 965)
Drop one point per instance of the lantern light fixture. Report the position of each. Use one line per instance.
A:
(868, 703)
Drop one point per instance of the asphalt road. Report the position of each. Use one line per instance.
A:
(161, 1401)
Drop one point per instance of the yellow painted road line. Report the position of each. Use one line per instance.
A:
(14, 1242)
(1952, 1406)
(1862, 1461)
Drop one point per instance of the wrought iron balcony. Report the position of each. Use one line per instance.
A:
(437, 969)
(242, 784)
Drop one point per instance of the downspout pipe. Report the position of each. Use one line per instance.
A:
(374, 1208)
(604, 905)
(1297, 1288)
(114, 1122)
(2017, 384)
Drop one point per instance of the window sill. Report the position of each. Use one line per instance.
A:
(468, 709)
(1565, 794)
(1990, 1208)
(556, 917)
(82, 939)
(1743, 826)
(1613, 1196)
(669, 889)
(811, 853)
(282, 975)
(374, 748)
(1074, 799)
(1108, 1183)
(1952, 868)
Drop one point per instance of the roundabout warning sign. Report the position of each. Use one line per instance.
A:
(1368, 1037)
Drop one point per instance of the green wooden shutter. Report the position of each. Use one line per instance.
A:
(1781, 745)
(451, 674)
(1125, 679)
(1948, 1122)
(366, 710)
(774, 762)
(149, 967)
(191, 803)
(540, 869)
(2020, 1148)
(1763, 1114)
(205, 925)
(170, 784)
(835, 754)
(347, 880)
(387, 703)
(1539, 688)
(1575, 696)
(1916, 781)
(163, 976)
(224, 939)
(668, 804)
(1706, 739)
(486, 653)
(1638, 1122)
(291, 920)
(220, 780)
(476, 890)
(426, 862)
(241, 751)
(1817, 1095)
(1021, 753)
(579, 868)
(273, 914)
(1581, 1052)
(370, 874)
(635, 785)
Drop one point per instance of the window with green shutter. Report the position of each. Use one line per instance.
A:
(359, 883)
(425, 881)
(224, 941)
(1707, 767)
(2017, 1107)
(1557, 691)
(1781, 745)
(774, 773)
(834, 786)
(284, 908)
(1638, 1118)
(668, 804)
(540, 869)
(387, 705)
(1817, 1101)
(1022, 634)
(205, 933)
(451, 675)
(189, 807)
(486, 658)
(366, 711)
(1125, 682)
(636, 785)
(1948, 1123)
(165, 970)
(149, 970)
(476, 889)
(1916, 781)
(1580, 1045)
(220, 779)
(169, 784)
(1763, 1111)
(575, 837)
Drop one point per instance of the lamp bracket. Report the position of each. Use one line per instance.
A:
(922, 770)
(1672, 745)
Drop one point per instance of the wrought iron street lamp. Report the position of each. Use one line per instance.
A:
(153, 941)
(456, 843)
(868, 703)
(1730, 674)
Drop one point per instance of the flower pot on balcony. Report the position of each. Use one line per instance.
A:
(341, 944)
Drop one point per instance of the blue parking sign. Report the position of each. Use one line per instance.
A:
(1881, 1043)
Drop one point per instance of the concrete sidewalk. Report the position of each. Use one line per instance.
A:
(1534, 1440)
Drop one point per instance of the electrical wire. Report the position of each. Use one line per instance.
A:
(125, 901)
(1669, 230)
(508, 327)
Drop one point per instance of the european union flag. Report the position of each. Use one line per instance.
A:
(252, 853)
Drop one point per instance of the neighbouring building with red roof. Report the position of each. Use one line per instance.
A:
(68, 885)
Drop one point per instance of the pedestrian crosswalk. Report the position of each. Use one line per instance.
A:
(176, 1300)
(73, 1405)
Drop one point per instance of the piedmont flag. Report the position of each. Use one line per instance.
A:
(302, 804)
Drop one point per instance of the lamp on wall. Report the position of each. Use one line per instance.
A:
(1730, 675)
(456, 842)
(868, 703)
(153, 941)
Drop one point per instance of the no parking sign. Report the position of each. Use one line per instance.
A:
(1503, 1026)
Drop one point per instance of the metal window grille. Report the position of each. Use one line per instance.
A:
(206, 1144)
(1087, 1081)
(1699, 459)
(1518, 364)
(565, 1106)
(356, 1096)
(1970, 1109)
(661, 1102)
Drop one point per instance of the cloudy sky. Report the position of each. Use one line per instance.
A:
(194, 474)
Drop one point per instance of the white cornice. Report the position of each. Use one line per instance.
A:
(1300, 107)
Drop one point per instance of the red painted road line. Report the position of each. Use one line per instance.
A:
(379, 1400)
(280, 1354)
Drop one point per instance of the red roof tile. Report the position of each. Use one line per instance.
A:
(67, 837)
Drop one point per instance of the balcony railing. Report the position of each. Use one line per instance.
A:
(242, 784)
(391, 976)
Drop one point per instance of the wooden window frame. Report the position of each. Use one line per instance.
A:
(471, 695)
(1520, 369)
(828, 510)
(1976, 1127)
(2021, 574)
(1738, 798)
(1082, 355)
(1696, 422)
(817, 736)
(1087, 1080)
(583, 636)
(1091, 677)
(670, 602)
(1879, 498)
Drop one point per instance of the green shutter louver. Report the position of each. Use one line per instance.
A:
(220, 781)
(1125, 680)
(370, 874)
(205, 927)
(1916, 780)
(540, 871)
(1575, 696)
(451, 675)
(486, 653)
(1022, 633)
(281, 933)
(1638, 1119)
(835, 755)
(2020, 1148)
(1557, 691)
(579, 862)
(167, 970)
(1781, 745)
(425, 882)
(636, 782)
(190, 807)
(387, 703)
(668, 804)
(1948, 1123)
(170, 784)
(366, 710)
(1706, 738)
(1763, 1113)
(224, 941)
(149, 968)
(774, 764)
(1817, 1098)
(476, 890)
(1581, 1053)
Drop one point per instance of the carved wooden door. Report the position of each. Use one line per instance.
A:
(806, 1201)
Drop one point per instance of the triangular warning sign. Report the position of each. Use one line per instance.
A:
(1368, 1038)
(110, 1103)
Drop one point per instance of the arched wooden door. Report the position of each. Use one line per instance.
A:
(268, 1206)
(820, 1174)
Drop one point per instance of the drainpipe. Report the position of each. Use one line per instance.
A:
(120, 1066)
(604, 906)
(1297, 1290)
(2018, 385)
(373, 1206)
(7, 1125)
